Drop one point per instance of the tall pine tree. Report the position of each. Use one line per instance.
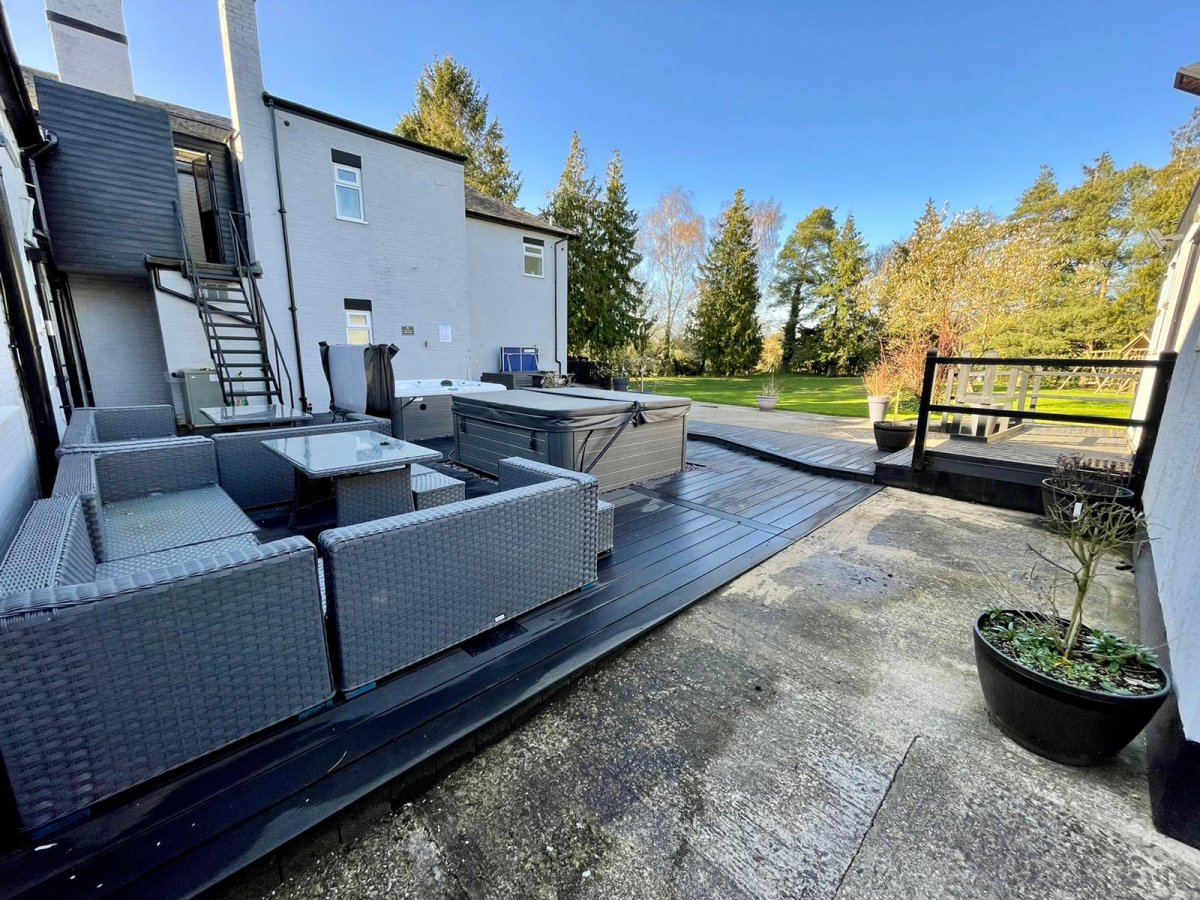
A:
(728, 333)
(801, 273)
(849, 328)
(451, 112)
(614, 306)
(574, 204)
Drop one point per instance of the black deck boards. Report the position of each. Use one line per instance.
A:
(197, 825)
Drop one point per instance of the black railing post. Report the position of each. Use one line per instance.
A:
(1152, 418)
(918, 454)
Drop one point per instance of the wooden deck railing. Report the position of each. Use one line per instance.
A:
(1163, 366)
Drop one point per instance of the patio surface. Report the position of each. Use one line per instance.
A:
(814, 729)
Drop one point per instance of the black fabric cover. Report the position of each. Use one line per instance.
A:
(381, 383)
(378, 380)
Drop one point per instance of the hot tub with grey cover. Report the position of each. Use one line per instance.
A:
(620, 437)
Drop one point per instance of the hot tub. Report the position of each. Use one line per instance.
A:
(422, 405)
(621, 437)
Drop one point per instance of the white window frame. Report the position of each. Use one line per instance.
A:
(370, 326)
(357, 186)
(538, 253)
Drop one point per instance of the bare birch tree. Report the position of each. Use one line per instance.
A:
(671, 241)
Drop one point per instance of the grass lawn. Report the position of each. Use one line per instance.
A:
(848, 397)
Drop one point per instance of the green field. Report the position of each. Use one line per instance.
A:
(848, 397)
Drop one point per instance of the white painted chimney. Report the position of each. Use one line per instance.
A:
(90, 45)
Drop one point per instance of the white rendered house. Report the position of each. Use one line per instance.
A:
(353, 234)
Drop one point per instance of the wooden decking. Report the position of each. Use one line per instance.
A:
(1003, 473)
(821, 455)
(677, 539)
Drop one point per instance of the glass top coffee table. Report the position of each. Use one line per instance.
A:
(269, 414)
(370, 472)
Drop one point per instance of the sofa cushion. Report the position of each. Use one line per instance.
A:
(175, 556)
(141, 525)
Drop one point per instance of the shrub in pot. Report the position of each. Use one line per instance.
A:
(1075, 479)
(885, 382)
(768, 394)
(878, 381)
(891, 434)
(1053, 684)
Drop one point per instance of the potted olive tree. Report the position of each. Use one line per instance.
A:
(768, 394)
(1056, 686)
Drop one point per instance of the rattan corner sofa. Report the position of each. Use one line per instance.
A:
(403, 588)
(99, 428)
(142, 625)
(115, 672)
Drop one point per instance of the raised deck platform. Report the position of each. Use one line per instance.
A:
(677, 539)
(1005, 473)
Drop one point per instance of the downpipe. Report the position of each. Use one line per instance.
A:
(287, 252)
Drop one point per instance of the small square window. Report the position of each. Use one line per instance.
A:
(358, 326)
(534, 257)
(347, 193)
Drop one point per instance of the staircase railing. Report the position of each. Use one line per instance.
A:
(215, 351)
(242, 264)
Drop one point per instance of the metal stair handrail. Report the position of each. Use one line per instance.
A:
(243, 265)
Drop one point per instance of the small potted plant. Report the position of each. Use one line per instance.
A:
(620, 375)
(768, 394)
(1054, 685)
(878, 381)
(1075, 479)
(891, 434)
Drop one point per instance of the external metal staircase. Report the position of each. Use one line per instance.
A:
(237, 339)
(241, 341)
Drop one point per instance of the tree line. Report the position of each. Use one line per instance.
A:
(1072, 268)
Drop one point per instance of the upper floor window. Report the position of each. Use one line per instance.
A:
(347, 186)
(534, 252)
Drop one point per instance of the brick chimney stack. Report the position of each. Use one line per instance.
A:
(90, 45)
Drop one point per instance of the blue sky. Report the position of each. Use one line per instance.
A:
(870, 107)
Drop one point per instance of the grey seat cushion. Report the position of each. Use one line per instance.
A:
(141, 525)
(174, 556)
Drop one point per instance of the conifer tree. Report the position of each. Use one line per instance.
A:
(849, 327)
(728, 333)
(451, 112)
(614, 306)
(801, 273)
(573, 204)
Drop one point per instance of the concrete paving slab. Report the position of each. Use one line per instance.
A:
(813, 730)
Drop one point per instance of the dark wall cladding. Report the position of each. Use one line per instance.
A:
(109, 187)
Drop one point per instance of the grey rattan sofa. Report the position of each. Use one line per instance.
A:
(116, 672)
(152, 497)
(404, 588)
(100, 427)
(254, 476)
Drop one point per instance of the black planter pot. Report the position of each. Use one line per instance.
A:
(620, 384)
(893, 436)
(1063, 499)
(1059, 721)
